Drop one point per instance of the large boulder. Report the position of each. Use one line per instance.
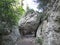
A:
(29, 23)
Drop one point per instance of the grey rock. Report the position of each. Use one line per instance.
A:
(51, 29)
(51, 33)
(29, 23)
(11, 38)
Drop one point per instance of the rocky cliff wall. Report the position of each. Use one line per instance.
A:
(51, 33)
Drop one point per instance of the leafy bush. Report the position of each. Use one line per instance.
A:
(10, 13)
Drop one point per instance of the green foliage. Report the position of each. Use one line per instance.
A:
(29, 11)
(10, 13)
(39, 40)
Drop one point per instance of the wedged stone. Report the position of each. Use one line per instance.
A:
(29, 23)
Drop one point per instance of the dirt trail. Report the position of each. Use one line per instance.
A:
(27, 41)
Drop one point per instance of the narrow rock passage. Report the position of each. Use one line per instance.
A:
(27, 41)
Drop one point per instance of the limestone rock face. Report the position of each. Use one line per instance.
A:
(29, 23)
(51, 32)
(10, 39)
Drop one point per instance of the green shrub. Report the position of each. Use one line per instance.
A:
(10, 13)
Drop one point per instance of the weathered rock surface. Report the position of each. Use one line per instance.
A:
(51, 33)
(41, 29)
(11, 38)
(29, 22)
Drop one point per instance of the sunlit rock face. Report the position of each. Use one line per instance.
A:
(52, 32)
(29, 23)
(11, 38)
